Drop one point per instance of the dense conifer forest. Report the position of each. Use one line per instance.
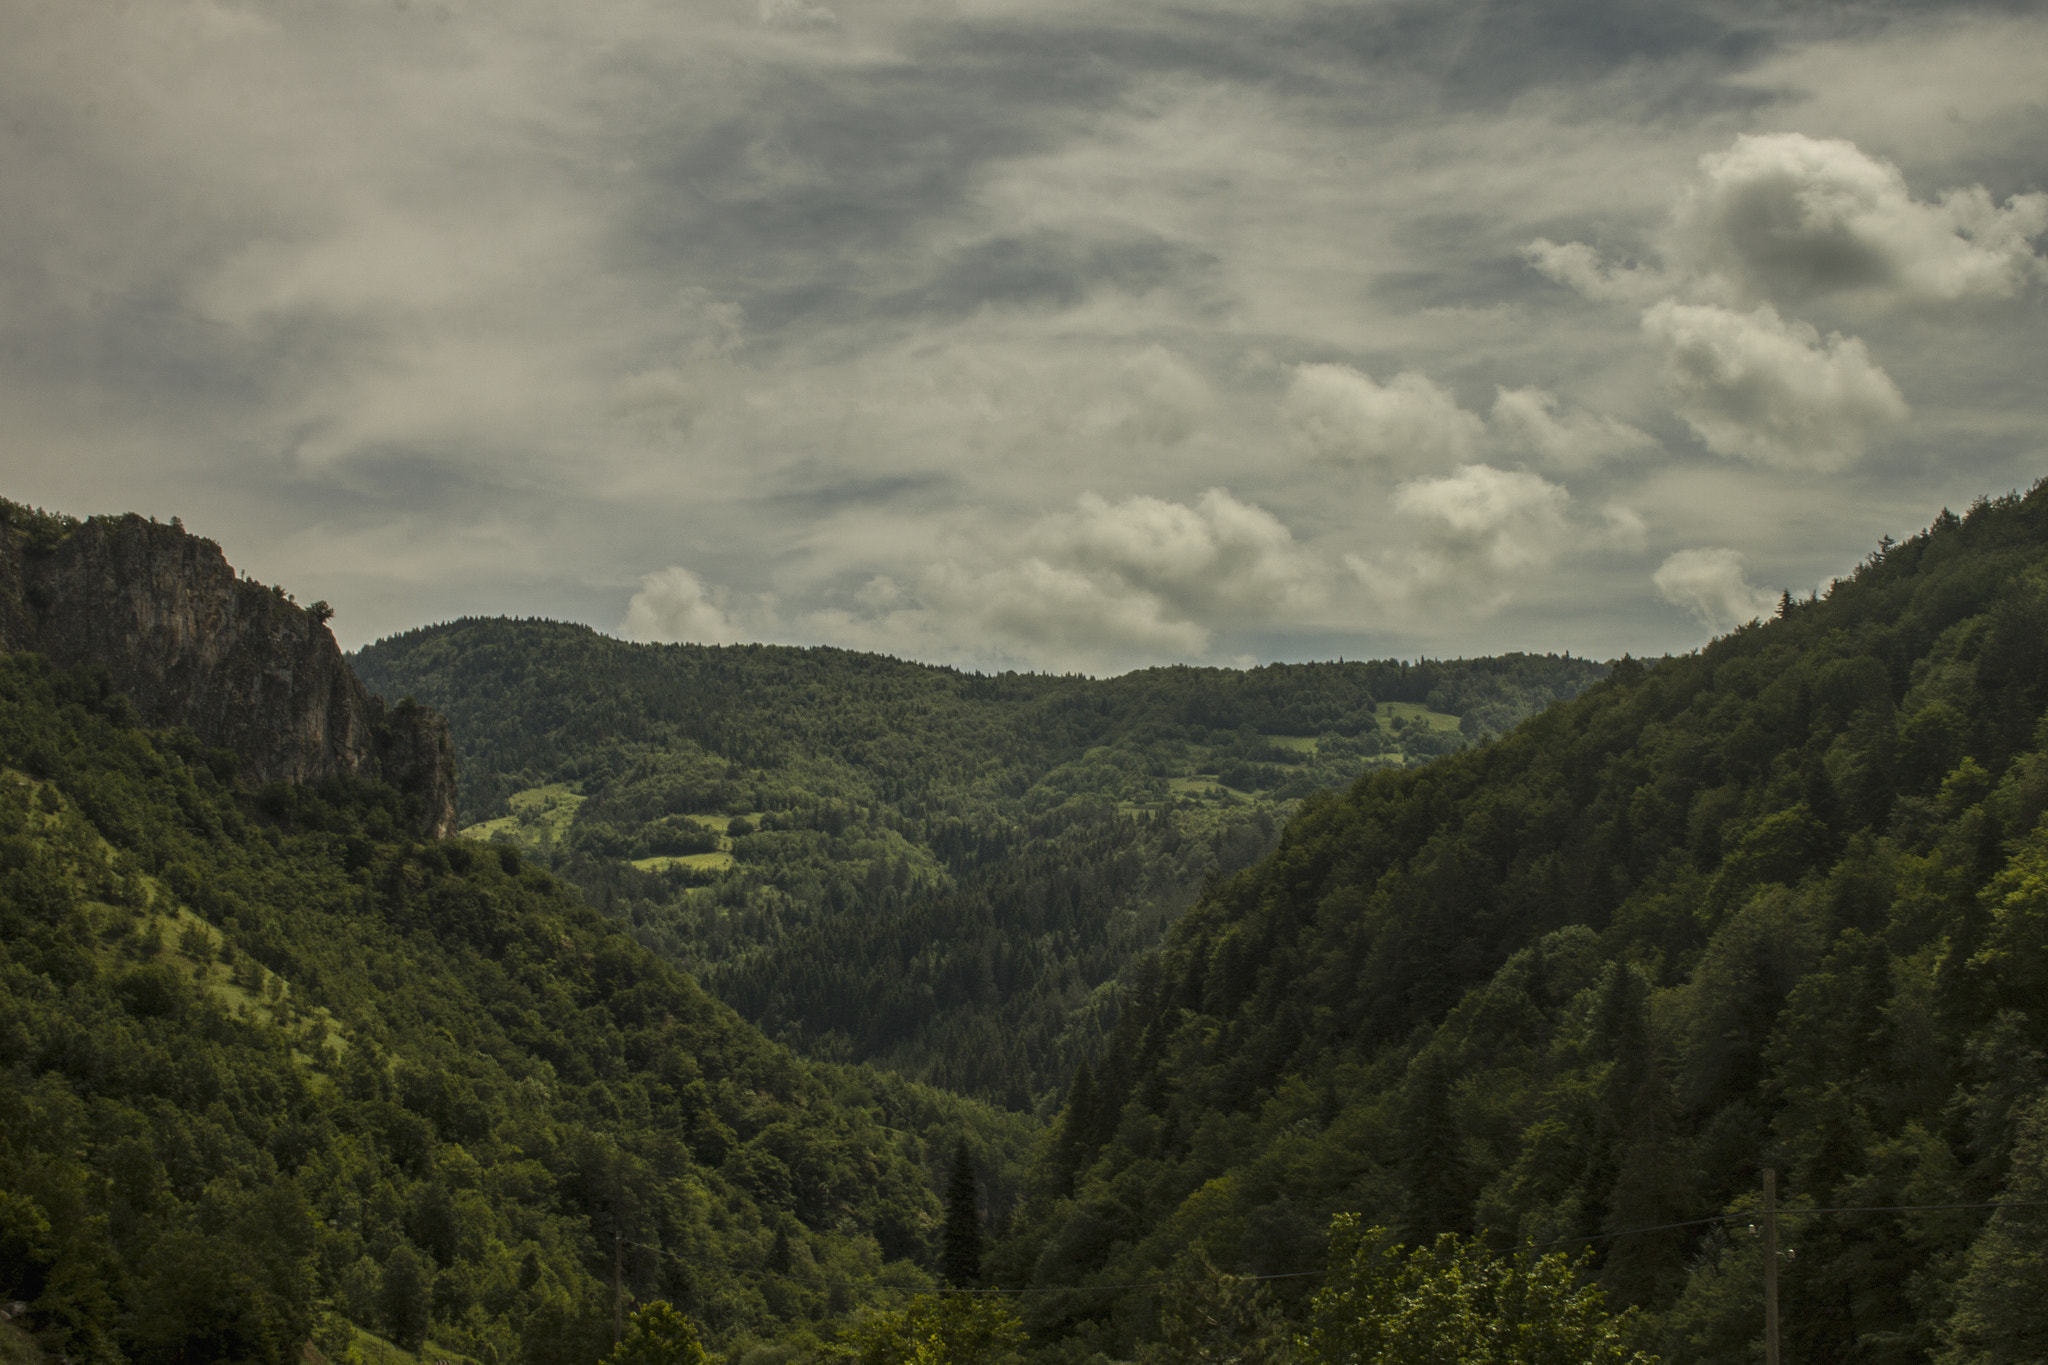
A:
(1779, 903)
(873, 860)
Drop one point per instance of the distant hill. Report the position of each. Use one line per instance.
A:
(943, 872)
(1782, 903)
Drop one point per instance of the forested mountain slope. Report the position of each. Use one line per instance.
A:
(1782, 902)
(877, 860)
(270, 1069)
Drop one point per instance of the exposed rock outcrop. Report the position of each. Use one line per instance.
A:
(194, 644)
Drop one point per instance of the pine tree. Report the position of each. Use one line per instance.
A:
(961, 1260)
(1076, 1148)
(2000, 1315)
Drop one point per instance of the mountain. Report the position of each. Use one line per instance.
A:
(942, 872)
(1780, 903)
(275, 1069)
(192, 644)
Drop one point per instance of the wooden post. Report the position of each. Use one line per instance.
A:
(619, 1283)
(1770, 1266)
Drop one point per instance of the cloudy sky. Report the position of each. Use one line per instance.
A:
(1029, 333)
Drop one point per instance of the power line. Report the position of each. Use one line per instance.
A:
(1737, 1217)
(1784, 1212)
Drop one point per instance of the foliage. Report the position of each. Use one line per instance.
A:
(1453, 1302)
(2001, 1315)
(943, 872)
(1208, 1316)
(657, 1334)
(936, 1329)
(1780, 902)
(266, 1065)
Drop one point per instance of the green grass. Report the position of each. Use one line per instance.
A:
(1197, 785)
(371, 1349)
(121, 933)
(717, 823)
(1300, 744)
(698, 862)
(1413, 712)
(540, 816)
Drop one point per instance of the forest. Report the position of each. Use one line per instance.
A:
(1477, 1059)
(271, 1073)
(1781, 903)
(947, 874)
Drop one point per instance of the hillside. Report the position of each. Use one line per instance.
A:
(1782, 902)
(272, 1070)
(944, 873)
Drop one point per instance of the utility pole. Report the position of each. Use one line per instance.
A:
(619, 1290)
(1770, 1265)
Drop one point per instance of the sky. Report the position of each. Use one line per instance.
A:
(1035, 334)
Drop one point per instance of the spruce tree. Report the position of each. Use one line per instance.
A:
(1432, 1164)
(1076, 1147)
(961, 1260)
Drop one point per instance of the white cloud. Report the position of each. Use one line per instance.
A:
(1054, 611)
(1710, 584)
(1215, 556)
(1338, 413)
(1109, 584)
(1785, 216)
(1578, 266)
(1527, 418)
(1508, 520)
(1159, 398)
(1769, 389)
(1480, 531)
(675, 605)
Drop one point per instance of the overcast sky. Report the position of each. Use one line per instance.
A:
(1053, 334)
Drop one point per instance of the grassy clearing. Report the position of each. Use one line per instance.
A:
(717, 823)
(1300, 744)
(539, 816)
(371, 1349)
(697, 862)
(1413, 712)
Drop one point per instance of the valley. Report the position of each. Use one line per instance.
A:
(1230, 986)
(947, 874)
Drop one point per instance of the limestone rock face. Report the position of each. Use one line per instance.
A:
(194, 644)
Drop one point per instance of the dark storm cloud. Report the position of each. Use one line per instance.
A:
(834, 495)
(835, 169)
(1050, 270)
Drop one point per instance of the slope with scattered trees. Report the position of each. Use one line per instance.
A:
(272, 1070)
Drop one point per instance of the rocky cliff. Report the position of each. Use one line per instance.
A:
(194, 644)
